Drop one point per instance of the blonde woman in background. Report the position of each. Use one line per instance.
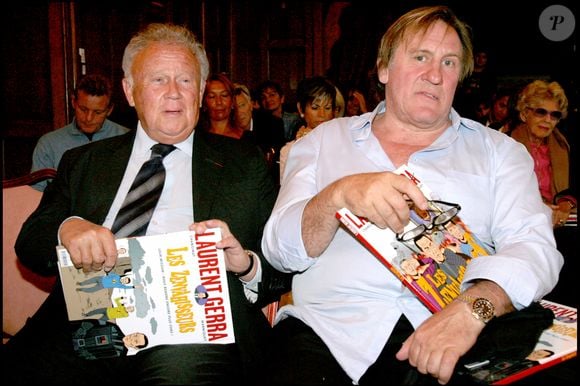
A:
(541, 106)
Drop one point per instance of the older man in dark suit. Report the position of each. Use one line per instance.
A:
(207, 177)
(260, 127)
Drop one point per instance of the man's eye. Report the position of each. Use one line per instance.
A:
(449, 63)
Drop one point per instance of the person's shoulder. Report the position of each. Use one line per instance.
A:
(54, 135)
(472, 124)
(344, 123)
(264, 118)
(111, 141)
(105, 144)
(476, 126)
(238, 156)
(223, 144)
(502, 146)
(290, 116)
(115, 128)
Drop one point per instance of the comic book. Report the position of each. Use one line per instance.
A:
(165, 289)
(431, 254)
(557, 344)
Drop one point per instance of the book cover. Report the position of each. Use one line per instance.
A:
(431, 254)
(557, 344)
(165, 289)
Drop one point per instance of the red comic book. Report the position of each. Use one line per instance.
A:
(431, 254)
(430, 257)
(557, 344)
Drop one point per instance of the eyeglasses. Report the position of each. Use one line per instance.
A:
(438, 217)
(541, 113)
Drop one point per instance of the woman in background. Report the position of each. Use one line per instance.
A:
(316, 103)
(356, 103)
(541, 105)
(218, 114)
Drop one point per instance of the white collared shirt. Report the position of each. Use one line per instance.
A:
(174, 211)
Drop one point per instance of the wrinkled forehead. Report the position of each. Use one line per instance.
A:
(159, 55)
(414, 36)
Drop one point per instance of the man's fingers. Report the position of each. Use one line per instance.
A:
(203, 226)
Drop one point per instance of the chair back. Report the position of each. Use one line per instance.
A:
(23, 291)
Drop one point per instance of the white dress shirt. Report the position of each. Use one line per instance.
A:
(174, 211)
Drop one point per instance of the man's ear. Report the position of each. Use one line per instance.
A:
(201, 92)
(383, 74)
(128, 90)
(111, 107)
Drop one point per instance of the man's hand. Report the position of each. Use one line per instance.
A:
(361, 101)
(381, 198)
(560, 213)
(235, 255)
(436, 346)
(91, 247)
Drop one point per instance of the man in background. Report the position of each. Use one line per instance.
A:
(272, 100)
(260, 127)
(92, 105)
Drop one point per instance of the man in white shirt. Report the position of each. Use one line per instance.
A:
(350, 314)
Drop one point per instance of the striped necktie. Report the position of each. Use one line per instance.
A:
(137, 209)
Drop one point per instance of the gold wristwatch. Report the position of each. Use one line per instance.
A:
(481, 308)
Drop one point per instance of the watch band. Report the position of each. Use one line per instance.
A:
(481, 308)
(466, 298)
(249, 269)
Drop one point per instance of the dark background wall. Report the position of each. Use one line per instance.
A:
(249, 40)
(511, 36)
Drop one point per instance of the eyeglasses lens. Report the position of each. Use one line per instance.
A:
(540, 113)
(440, 219)
(445, 217)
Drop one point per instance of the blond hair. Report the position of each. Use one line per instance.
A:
(540, 90)
(418, 21)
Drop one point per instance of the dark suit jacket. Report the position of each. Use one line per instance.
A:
(230, 182)
(268, 134)
(268, 131)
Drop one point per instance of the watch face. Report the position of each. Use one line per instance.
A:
(484, 309)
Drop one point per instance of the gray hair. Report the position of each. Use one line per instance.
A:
(165, 33)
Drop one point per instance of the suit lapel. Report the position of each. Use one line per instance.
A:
(114, 160)
(207, 170)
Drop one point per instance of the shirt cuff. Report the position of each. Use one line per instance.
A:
(251, 286)
(61, 224)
